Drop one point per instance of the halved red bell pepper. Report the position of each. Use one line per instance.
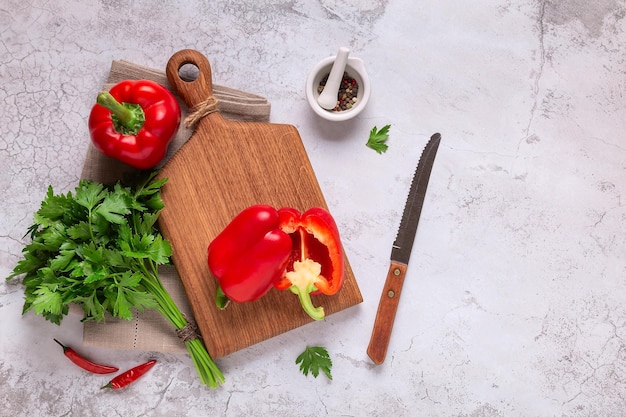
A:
(250, 254)
(134, 122)
(264, 247)
(316, 262)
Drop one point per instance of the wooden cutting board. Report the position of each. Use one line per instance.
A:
(225, 167)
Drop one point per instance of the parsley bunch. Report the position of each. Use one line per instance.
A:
(100, 248)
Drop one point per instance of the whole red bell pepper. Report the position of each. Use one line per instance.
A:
(250, 254)
(316, 263)
(263, 247)
(134, 122)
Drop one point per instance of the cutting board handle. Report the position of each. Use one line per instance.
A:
(193, 92)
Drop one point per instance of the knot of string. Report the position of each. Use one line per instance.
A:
(189, 332)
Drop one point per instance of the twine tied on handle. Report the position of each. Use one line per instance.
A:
(200, 110)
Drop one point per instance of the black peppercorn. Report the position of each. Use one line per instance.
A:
(347, 94)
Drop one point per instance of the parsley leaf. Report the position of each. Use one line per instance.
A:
(114, 207)
(378, 139)
(88, 194)
(314, 359)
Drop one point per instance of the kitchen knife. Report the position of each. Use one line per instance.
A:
(400, 253)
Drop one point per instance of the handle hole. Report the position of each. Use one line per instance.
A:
(188, 72)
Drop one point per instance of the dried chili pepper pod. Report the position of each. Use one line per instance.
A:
(126, 378)
(86, 364)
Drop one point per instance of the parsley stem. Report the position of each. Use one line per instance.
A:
(207, 369)
(90, 224)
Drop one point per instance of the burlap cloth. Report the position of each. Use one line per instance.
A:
(149, 330)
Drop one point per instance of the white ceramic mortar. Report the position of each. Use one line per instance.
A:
(356, 70)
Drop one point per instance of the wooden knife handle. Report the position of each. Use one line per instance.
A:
(386, 314)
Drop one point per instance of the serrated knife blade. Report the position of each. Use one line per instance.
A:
(401, 252)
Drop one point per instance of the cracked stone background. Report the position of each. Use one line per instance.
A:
(514, 304)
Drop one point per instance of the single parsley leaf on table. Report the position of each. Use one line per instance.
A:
(378, 139)
(314, 359)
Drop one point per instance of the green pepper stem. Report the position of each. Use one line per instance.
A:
(304, 295)
(124, 115)
(128, 118)
(221, 299)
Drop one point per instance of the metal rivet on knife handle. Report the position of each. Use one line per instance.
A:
(400, 253)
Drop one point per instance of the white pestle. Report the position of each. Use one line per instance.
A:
(328, 97)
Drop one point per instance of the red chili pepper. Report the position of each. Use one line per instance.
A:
(250, 254)
(264, 247)
(135, 122)
(316, 263)
(85, 363)
(129, 376)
